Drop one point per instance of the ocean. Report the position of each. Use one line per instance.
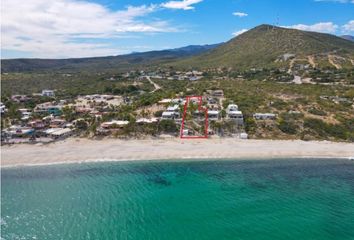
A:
(250, 199)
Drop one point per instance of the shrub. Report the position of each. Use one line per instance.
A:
(158, 113)
(287, 127)
(318, 112)
(167, 126)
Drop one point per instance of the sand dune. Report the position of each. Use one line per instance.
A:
(82, 150)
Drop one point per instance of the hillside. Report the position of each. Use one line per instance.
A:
(122, 62)
(269, 46)
(348, 37)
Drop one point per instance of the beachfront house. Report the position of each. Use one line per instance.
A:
(172, 112)
(48, 93)
(57, 133)
(18, 131)
(213, 115)
(264, 116)
(234, 114)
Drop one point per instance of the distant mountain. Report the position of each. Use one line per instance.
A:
(270, 46)
(348, 37)
(263, 46)
(121, 62)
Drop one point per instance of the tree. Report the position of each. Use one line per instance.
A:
(69, 113)
(167, 126)
(287, 127)
(82, 125)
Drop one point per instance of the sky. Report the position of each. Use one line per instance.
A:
(88, 28)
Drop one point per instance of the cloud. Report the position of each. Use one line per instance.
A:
(348, 27)
(337, 1)
(324, 27)
(184, 4)
(240, 14)
(71, 28)
(239, 32)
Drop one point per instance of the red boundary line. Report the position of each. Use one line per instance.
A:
(200, 108)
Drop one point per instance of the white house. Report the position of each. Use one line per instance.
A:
(25, 113)
(213, 115)
(218, 93)
(2, 108)
(168, 115)
(48, 93)
(264, 116)
(58, 132)
(232, 107)
(171, 112)
(146, 120)
(234, 114)
(114, 123)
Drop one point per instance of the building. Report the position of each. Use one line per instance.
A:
(213, 115)
(264, 116)
(218, 93)
(2, 108)
(57, 123)
(48, 108)
(232, 107)
(234, 114)
(18, 131)
(19, 98)
(37, 124)
(146, 120)
(172, 112)
(59, 132)
(168, 115)
(165, 101)
(48, 93)
(114, 124)
(25, 113)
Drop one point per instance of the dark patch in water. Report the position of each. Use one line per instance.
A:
(257, 185)
(159, 180)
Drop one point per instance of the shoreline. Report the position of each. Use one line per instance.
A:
(77, 150)
(172, 160)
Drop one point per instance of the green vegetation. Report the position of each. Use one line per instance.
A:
(327, 130)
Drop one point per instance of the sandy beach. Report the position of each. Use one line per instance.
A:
(84, 150)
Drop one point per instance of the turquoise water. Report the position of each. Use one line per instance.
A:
(273, 199)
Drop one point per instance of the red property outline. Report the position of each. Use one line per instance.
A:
(200, 108)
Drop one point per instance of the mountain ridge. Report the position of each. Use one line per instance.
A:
(119, 61)
(265, 45)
